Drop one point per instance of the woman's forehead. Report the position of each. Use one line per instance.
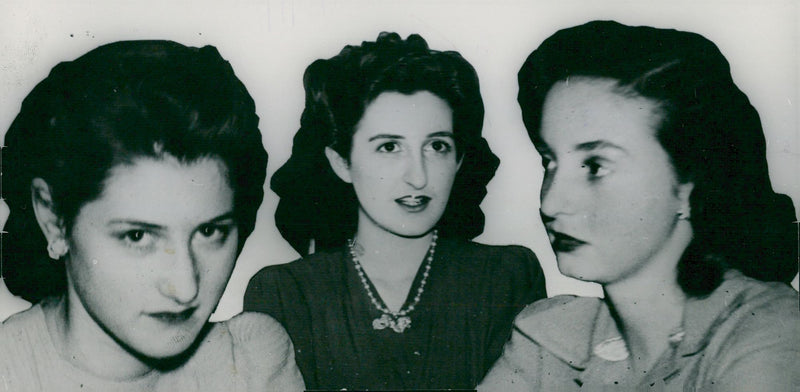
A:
(164, 190)
(583, 110)
(401, 114)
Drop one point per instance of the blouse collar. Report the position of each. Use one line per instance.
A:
(573, 328)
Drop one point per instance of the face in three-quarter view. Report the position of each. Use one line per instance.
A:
(608, 181)
(165, 255)
(655, 186)
(133, 176)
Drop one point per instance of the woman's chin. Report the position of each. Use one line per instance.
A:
(169, 349)
(578, 268)
(162, 344)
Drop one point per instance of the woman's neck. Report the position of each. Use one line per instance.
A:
(389, 256)
(648, 305)
(79, 340)
(390, 261)
(647, 319)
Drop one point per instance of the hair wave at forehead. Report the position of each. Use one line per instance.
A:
(117, 103)
(315, 204)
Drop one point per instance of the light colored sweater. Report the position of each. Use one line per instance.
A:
(250, 352)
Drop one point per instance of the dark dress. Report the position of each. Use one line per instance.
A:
(458, 328)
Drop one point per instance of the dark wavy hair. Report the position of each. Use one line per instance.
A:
(709, 129)
(314, 203)
(118, 102)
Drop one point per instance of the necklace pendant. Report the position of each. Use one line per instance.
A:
(397, 324)
(401, 323)
(381, 323)
(397, 321)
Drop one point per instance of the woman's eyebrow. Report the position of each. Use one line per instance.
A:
(153, 226)
(137, 223)
(225, 216)
(449, 134)
(386, 136)
(599, 145)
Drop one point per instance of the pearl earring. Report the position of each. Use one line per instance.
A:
(57, 248)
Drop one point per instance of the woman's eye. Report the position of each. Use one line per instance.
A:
(139, 239)
(213, 233)
(440, 146)
(134, 235)
(595, 168)
(388, 147)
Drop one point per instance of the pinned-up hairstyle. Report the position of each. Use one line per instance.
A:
(709, 129)
(314, 203)
(114, 104)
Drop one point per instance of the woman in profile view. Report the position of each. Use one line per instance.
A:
(656, 186)
(133, 174)
(385, 180)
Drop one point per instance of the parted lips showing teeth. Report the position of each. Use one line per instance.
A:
(413, 201)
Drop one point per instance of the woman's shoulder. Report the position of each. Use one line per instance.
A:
(24, 330)
(278, 289)
(479, 248)
(513, 263)
(262, 345)
(308, 266)
(253, 349)
(251, 327)
(747, 332)
(258, 336)
(558, 310)
(246, 333)
(756, 292)
(506, 273)
(747, 307)
(559, 329)
(27, 352)
(22, 320)
(474, 252)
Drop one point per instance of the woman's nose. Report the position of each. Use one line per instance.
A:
(179, 280)
(416, 173)
(556, 196)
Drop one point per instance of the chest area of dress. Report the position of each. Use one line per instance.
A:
(445, 334)
(441, 298)
(672, 371)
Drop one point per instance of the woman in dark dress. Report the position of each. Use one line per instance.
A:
(385, 180)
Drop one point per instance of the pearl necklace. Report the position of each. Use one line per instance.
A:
(398, 321)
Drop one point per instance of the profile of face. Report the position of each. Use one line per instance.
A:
(610, 198)
(402, 163)
(150, 257)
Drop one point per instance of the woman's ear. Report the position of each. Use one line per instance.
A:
(43, 208)
(339, 165)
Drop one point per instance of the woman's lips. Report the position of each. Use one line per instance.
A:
(173, 317)
(564, 243)
(413, 203)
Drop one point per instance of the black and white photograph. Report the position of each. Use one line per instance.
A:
(286, 195)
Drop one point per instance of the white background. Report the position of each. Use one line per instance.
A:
(270, 42)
